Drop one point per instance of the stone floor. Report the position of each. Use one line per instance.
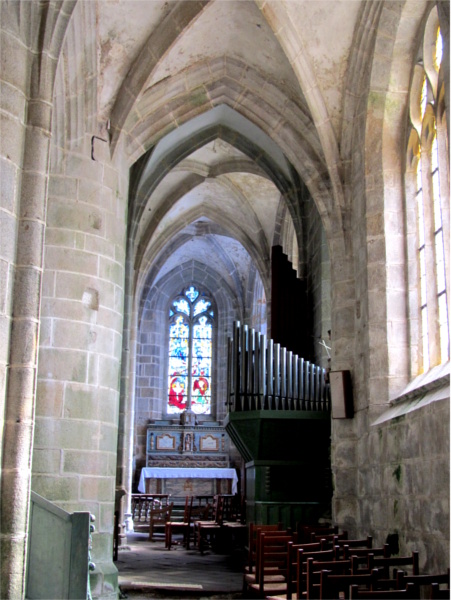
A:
(148, 570)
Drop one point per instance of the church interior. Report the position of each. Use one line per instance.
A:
(224, 251)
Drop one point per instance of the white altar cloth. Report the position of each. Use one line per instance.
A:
(186, 473)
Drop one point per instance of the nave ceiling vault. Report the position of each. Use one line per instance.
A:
(220, 55)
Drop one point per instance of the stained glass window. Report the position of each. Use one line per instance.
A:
(190, 353)
(429, 162)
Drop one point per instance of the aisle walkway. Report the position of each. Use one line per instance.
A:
(148, 570)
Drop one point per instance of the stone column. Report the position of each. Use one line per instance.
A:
(77, 407)
(124, 474)
(26, 106)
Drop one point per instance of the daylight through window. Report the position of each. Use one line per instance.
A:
(427, 158)
(190, 353)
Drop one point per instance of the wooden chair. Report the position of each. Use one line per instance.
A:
(439, 594)
(305, 531)
(207, 531)
(252, 577)
(407, 594)
(292, 569)
(360, 555)
(336, 587)
(234, 526)
(357, 543)
(381, 563)
(315, 550)
(198, 513)
(305, 585)
(183, 527)
(349, 545)
(310, 579)
(272, 566)
(252, 542)
(332, 537)
(421, 581)
(314, 568)
(159, 517)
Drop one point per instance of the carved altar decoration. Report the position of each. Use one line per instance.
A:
(187, 457)
(179, 443)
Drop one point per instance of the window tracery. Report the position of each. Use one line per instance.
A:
(191, 318)
(427, 169)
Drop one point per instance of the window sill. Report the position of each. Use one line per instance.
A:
(423, 390)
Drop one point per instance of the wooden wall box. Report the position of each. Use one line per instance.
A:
(341, 394)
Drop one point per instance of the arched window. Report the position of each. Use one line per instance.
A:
(191, 318)
(427, 186)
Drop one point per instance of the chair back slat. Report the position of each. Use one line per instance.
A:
(408, 594)
(377, 562)
(337, 585)
(361, 554)
(422, 581)
(253, 527)
(272, 560)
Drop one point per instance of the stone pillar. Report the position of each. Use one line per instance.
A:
(124, 476)
(26, 117)
(77, 407)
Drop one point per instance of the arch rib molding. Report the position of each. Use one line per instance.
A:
(227, 124)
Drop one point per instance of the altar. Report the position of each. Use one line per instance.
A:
(163, 477)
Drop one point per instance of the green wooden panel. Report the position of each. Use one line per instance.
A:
(58, 550)
(287, 456)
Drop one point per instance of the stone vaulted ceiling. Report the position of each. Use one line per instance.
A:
(281, 65)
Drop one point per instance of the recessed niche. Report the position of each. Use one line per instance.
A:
(91, 298)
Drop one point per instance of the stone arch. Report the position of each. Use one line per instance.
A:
(220, 122)
(154, 302)
(75, 103)
(292, 44)
(291, 132)
(178, 18)
(188, 184)
(225, 227)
